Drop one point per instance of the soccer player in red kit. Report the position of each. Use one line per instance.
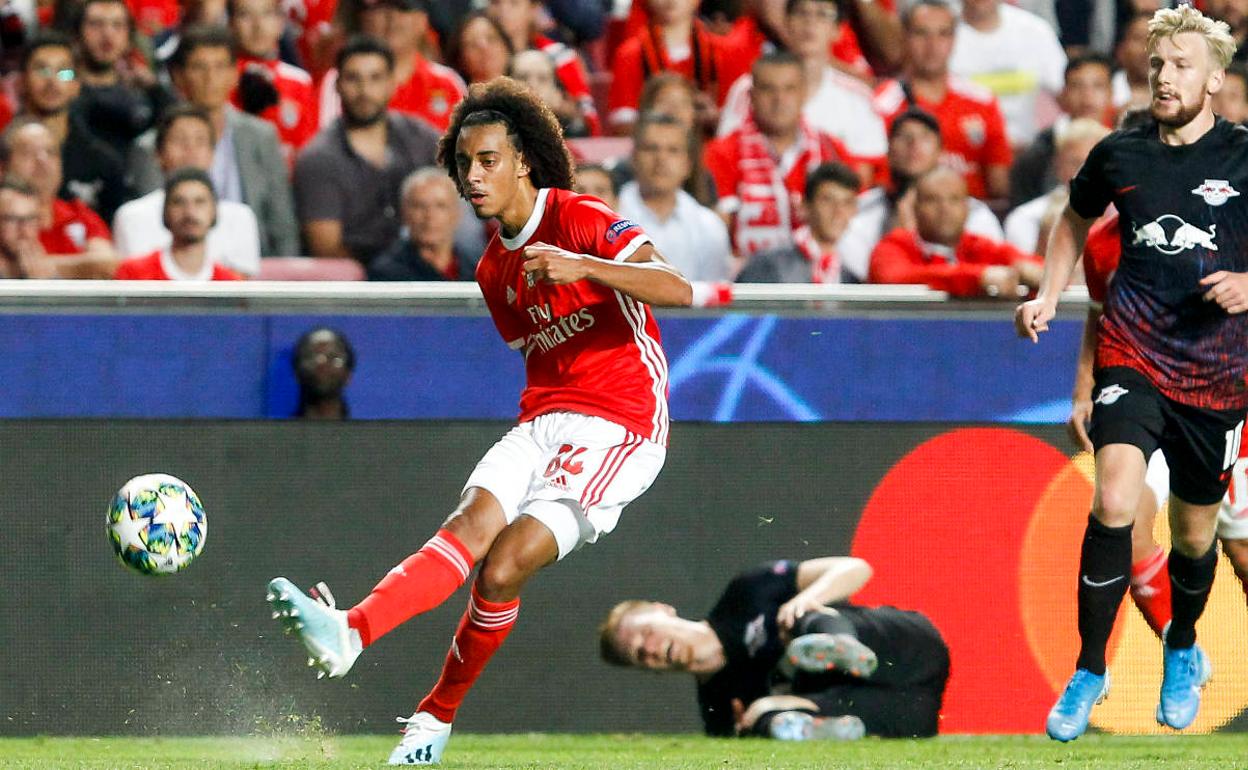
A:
(568, 283)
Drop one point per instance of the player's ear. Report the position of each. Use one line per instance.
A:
(522, 167)
(1214, 83)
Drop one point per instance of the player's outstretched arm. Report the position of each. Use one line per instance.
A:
(821, 582)
(1066, 241)
(644, 276)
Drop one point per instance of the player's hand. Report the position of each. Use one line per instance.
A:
(543, 262)
(1229, 290)
(1032, 317)
(789, 613)
(1077, 425)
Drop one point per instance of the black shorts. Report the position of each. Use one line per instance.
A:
(1200, 445)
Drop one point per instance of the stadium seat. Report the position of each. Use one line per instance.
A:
(603, 150)
(309, 269)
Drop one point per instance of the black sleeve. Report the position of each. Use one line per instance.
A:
(1090, 190)
(715, 703)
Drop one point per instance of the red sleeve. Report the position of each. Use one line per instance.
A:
(897, 259)
(136, 269)
(720, 158)
(981, 250)
(593, 228)
(1101, 253)
(224, 274)
(997, 151)
(734, 59)
(625, 93)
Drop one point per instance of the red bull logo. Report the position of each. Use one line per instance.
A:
(1183, 236)
(1216, 191)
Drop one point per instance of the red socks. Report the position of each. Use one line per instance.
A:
(1150, 589)
(481, 632)
(423, 581)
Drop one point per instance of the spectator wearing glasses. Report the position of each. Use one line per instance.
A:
(68, 229)
(91, 171)
(21, 254)
(323, 361)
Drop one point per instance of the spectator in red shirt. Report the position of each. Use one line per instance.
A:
(760, 169)
(425, 89)
(268, 87)
(943, 255)
(68, 229)
(190, 211)
(972, 129)
(674, 41)
(519, 20)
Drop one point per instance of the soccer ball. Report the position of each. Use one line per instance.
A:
(156, 524)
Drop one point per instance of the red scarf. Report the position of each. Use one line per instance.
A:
(825, 265)
(769, 210)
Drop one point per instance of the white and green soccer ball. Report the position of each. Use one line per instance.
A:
(156, 524)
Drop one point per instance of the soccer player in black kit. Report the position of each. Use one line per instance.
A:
(784, 654)
(1172, 362)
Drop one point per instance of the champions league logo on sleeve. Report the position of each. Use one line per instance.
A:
(1216, 191)
(615, 230)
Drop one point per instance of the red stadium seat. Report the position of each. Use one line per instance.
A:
(309, 269)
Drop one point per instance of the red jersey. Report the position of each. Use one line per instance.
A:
(294, 115)
(159, 266)
(73, 224)
(571, 73)
(587, 348)
(713, 63)
(972, 129)
(901, 257)
(1101, 253)
(762, 193)
(430, 93)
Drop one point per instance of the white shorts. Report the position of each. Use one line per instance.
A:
(572, 472)
(1232, 514)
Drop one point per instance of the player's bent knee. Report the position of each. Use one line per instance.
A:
(501, 578)
(1192, 543)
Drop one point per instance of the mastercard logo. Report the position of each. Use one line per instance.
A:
(980, 529)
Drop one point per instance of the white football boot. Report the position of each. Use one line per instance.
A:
(424, 739)
(320, 625)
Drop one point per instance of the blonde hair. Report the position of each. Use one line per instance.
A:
(1080, 130)
(607, 648)
(1168, 22)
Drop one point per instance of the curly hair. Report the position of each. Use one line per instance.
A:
(532, 128)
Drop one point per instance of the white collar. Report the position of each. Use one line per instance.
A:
(176, 273)
(530, 227)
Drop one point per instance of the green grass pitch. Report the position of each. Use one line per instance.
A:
(620, 752)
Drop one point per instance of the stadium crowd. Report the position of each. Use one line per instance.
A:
(899, 141)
